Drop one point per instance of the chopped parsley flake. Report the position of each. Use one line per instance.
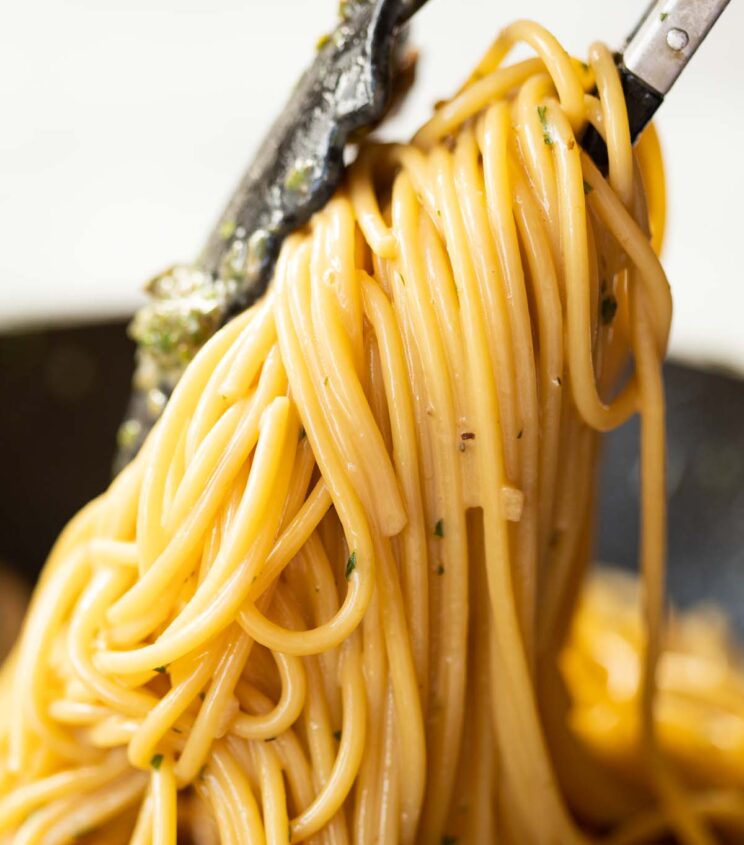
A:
(227, 229)
(337, 736)
(350, 564)
(439, 528)
(587, 187)
(299, 177)
(160, 669)
(439, 570)
(449, 840)
(156, 761)
(663, 16)
(542, 112)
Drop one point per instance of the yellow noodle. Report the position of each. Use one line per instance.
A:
(339, 596)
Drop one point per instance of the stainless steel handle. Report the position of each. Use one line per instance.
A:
(667, 37)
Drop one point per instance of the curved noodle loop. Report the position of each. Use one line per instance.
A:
(327, 601)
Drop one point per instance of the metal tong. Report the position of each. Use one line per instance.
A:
(347, 90)
(654, 55)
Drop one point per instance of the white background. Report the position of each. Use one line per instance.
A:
(125, 123)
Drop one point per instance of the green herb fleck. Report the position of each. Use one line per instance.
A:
(322, 41)
(542, 112)
(227, 229)
(156, 761)
(202, 695)
(202, 772)
(303, 433)
(584, 65)
(350, 564)
(587, 187)
(439, 570)
(337, 736)
(270, 739)
(177, 731)
(449, 840)
(439, 528)
(608, 309)
(402, 279)
(299, 176)
(160, 669)
(663, 16)
(325, 381)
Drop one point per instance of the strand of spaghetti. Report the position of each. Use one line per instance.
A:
(543, 281)
(558, 64)
(635, 243)
(166, 713)
(170, 563)
(20, 803)
(294, 537)
(203, 461)
(573, 228)
(273, 798)
(445, 499)
(350, 750)
(380, 314)
(287, 709)
(278, 425)
(615, 122)
(455, 112)
(339, 257)
(493, 144)
(241, 802)
(224, 606)
(377, 233)
(352, 405)
(163, 792)
(166, 435)
(104, 588)
(218, 708)
(28, 693)
(214, 798)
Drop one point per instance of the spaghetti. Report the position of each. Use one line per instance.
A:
(327, 601)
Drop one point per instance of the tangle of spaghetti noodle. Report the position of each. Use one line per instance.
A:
(327, 601)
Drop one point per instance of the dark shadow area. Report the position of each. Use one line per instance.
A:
(705, 481)
(62, 396)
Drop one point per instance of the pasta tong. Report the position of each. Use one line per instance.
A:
(347, 89)
(655, 54)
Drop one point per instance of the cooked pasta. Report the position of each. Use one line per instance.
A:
(329, 599)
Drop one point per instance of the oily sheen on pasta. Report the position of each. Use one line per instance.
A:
(330, 599)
